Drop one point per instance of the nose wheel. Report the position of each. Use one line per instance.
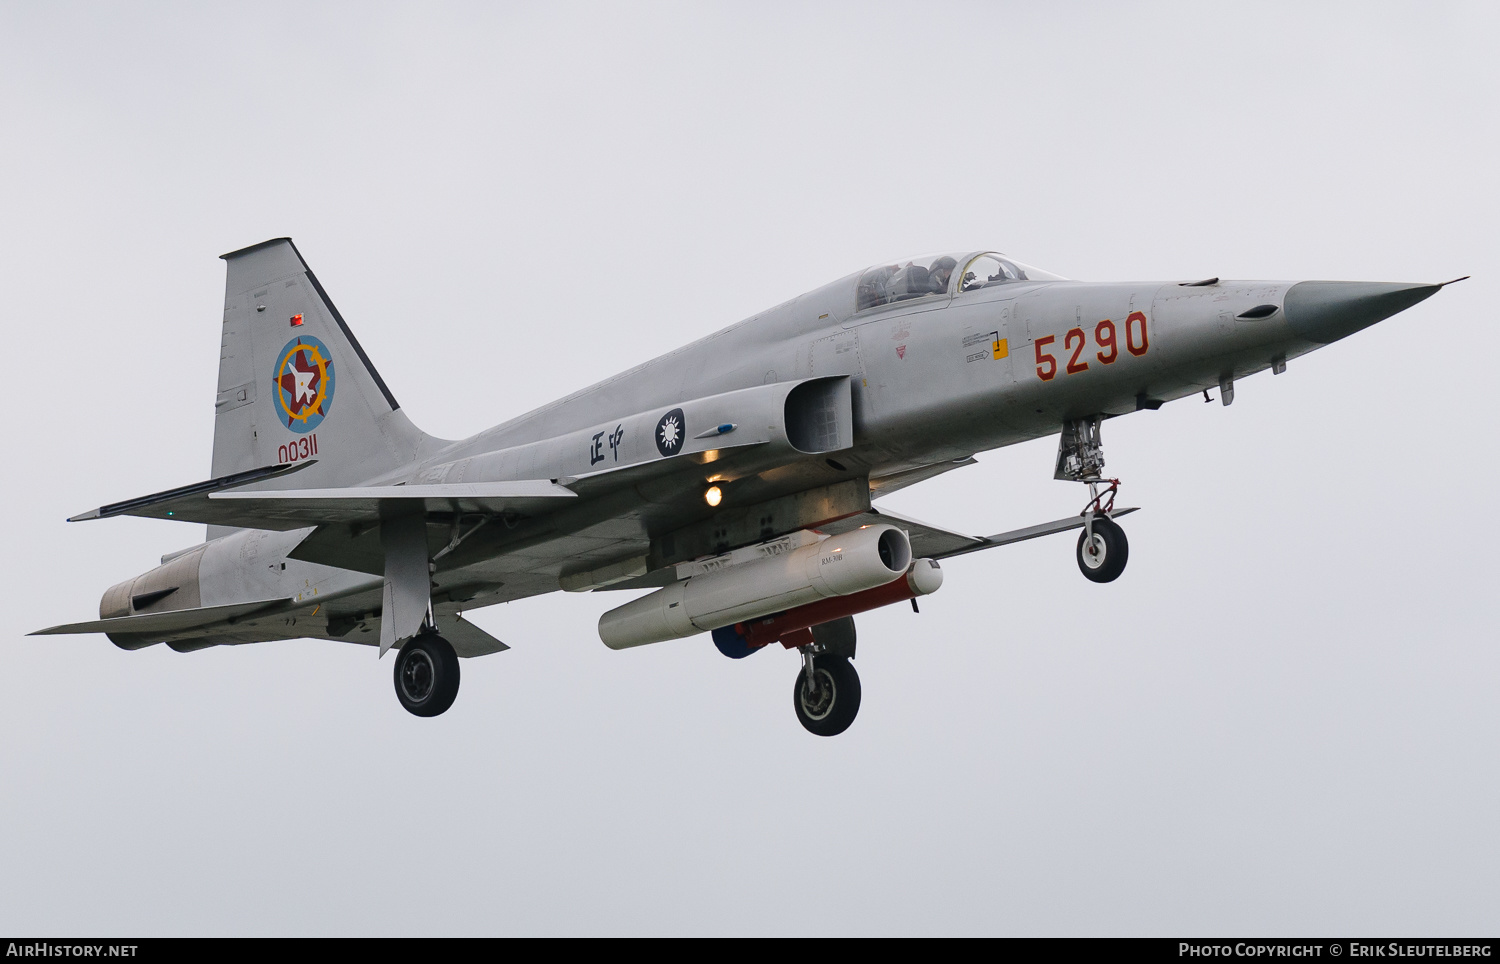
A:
(826, 696)
(1102, 547)
(1102, 550)
(426, 675)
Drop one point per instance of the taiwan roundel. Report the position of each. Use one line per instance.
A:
(670, 432)
(304, 383)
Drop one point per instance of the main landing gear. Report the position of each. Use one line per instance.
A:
(826, 695)
(1102, 549)
(426, 674)
(826, 691)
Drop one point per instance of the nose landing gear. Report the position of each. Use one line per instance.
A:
(1102, 550)
(1102, 547)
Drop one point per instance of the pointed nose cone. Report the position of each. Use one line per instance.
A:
(1325, 311)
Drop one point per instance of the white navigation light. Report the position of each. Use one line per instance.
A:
(714, 495)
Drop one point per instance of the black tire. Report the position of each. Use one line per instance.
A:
(426, 675)
(829, 711)
(1111, 551)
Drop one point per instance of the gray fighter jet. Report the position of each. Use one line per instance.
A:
(732, 478)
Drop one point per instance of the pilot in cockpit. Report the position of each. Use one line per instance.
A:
(940, 272)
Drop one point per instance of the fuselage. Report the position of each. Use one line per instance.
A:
(941, 362)
(926, 380)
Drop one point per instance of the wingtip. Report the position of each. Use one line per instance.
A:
(84, 516)
(62, 629)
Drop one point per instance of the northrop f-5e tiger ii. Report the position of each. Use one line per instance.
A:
(731, 480)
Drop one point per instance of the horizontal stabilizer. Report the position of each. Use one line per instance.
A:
(168, 622)
(213, 502)
(161, 505)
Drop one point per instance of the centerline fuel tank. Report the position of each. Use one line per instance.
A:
(828, 566)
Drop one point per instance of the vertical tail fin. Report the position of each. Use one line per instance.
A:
(294, 383)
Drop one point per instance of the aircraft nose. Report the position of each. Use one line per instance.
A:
(1325, 311)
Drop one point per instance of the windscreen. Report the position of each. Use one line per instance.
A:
(992, 268)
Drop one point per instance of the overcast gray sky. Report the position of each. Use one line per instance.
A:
(1281, 720)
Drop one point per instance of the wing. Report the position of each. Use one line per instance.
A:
(1030, 532)
(606, 501)
(934, 542)
(749, 432)
(213, 501)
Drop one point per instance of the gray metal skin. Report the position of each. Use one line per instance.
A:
(926, 391)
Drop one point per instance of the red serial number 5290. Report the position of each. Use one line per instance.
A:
(1136, 342)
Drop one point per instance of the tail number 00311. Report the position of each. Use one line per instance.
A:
(1106, 336)
(298, 449)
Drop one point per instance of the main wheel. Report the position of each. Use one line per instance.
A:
(828, 708)
(1103, 559)
(426, 675)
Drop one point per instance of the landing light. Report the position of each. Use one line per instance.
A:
(714, 495)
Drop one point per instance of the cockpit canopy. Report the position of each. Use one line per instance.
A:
(941, 274)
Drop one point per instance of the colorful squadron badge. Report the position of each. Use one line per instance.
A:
(304, 383)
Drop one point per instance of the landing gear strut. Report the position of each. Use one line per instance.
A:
(826, 695)
(426, 675)
(1102, 547)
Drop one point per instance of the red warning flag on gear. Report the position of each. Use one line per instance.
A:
(296, 321)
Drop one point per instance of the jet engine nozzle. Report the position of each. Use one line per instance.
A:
(833, 566)
(1325, 311)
